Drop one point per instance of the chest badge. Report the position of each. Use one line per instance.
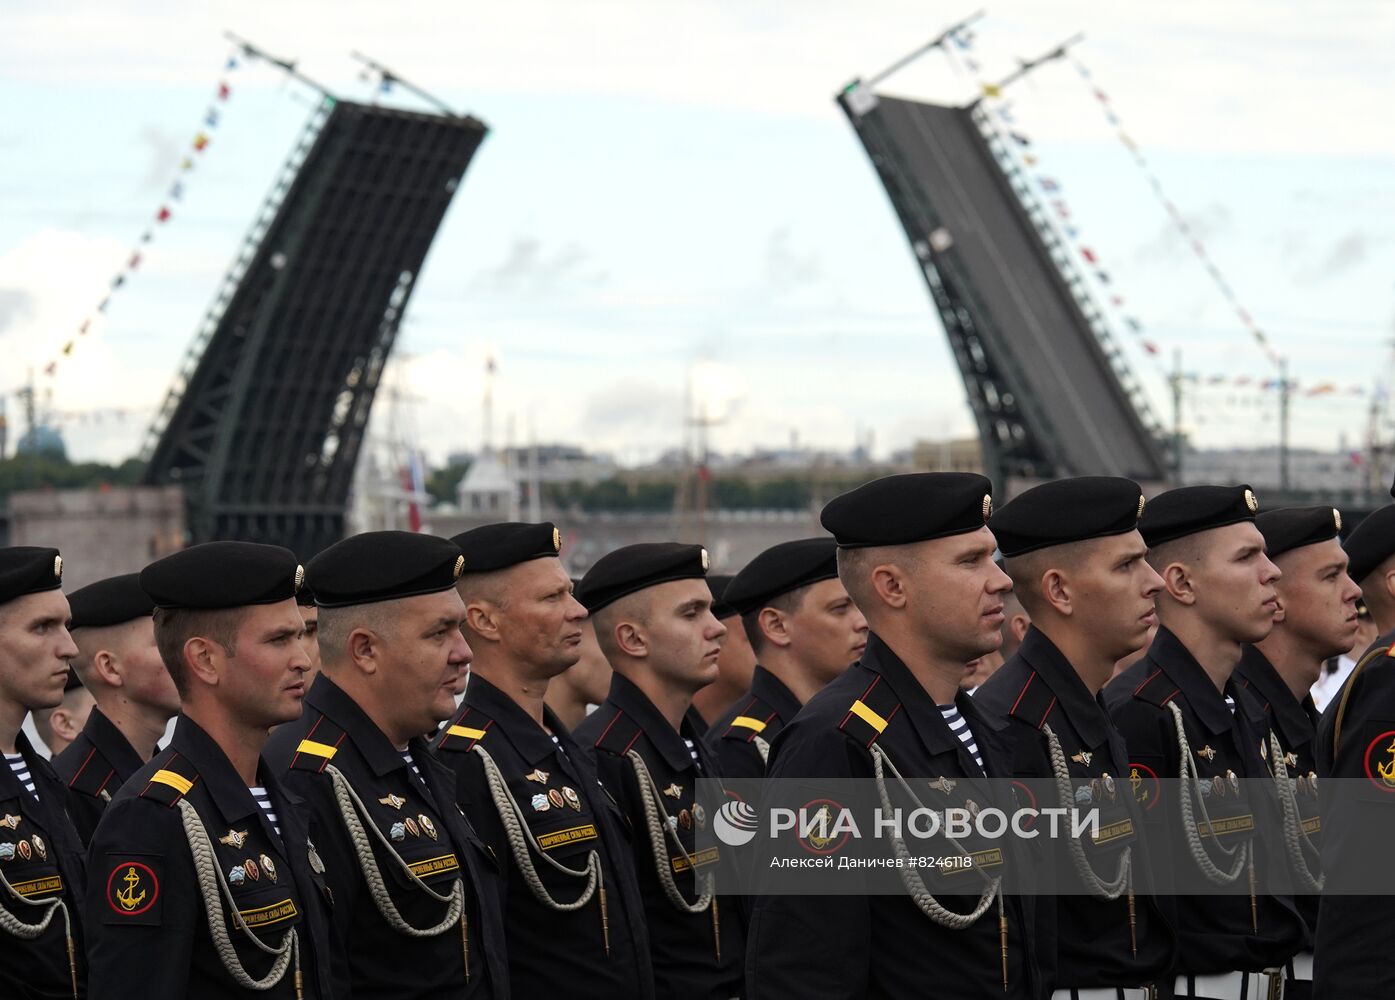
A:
(236, 876)
(10, 822)
(427, 827)
(1290, 760)
(674, 790)
(7, 851)
(1082, 757)
(538, 775)
(316, 864)
(233, 838)
(392, 801)
(39, 848)
(25, 851)
(1207, 752)
(540, 803)
(943, 785)
(398, 832)
(573, 799)
(269, 868)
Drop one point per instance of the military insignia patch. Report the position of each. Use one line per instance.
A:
(233, 838)
(943, 784)
(1144, 783)
(58, 567)
(1142, 502)
(704, 560)
(10, 822)
(1337, 519)
(573, 799)
(392, 801)
(24, 851)
(1207, 751)
(299, 578)
(538, 775)
(269, 867)
(39, 847)
(397, 832)
(7, 851)
(459, 566)
(987, 507)
(133, 892)
(555, 797)
(1251, 501)
(1379, 762)
(316, 864)
(540, 803)
(250, 867)
(1082, 757)
(556, 540)
(427, 827)
(674, 790)
(412, 827)
(236, 876)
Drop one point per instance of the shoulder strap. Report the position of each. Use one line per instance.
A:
(93, 775)
(464, 731)
(318, 748)
(1379, 653)
(619, 736)
(171, 782)
(755, 716)
(1157, 689)
(1034, 702)
(870, 714)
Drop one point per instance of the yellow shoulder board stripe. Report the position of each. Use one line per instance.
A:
(868, 716)
(746, 722)
(318, 749)
(178, 782)
(467, 732)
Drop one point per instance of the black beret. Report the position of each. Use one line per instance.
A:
(1067, 510)
(215, 575)
(499, 546)
(383, 566)
(637, 567)
(915, 507)
(305, 596)
(1191, 509)
(781, 569)
(72, 683)
(28, 569)
(111, 601)
(718, 584)
(1293, 527)
(1371, 542)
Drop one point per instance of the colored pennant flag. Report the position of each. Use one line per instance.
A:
(68, 348)
(102, 306)
(211, 119)
(163, 215)
(1048, 185)
(224, 91)
(134, 262)
(232, 62)
(1104, 278)
(1088, 254)
(186, 164)
(1133, 324)
(1101, 96)
(83, 329)
(1118, 300)
(1020, 139)
(972, 64)
(992, 90)
(176, 191)
(200, 142)
(1029, 159)
(118, 281)
(1150, 347)
(51, 368)
(147, 236)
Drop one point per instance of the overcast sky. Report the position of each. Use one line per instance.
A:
(669, 185)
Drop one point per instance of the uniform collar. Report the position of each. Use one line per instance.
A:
(1176, 661)
(918, 706)
(1293, 719)
(773, 692)
(514, 724)
(112, 744)
(10, 785)
(1085, 714)
(626, 696)
(334, 702)
(217, 774)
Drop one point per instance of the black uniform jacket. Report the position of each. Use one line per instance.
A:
(148, 928)
(883, 945)
(1036, 689)
(1294, 724)
(41, 859)
(1355, 751)
(561, 802)
(419, 818)
(696, 956)
(1215, 927)
(94, 767)
(765, 710)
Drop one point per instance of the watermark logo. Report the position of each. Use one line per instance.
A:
(736, 823)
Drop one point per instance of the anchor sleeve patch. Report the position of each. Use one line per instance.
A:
(1379, 760)
(133, 889)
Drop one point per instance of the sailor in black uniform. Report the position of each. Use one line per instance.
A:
(1078, 567)
(416, 907)
(1193, 738)
(805, 631)
(134, 696)
(572, 908)
(41, 865)
(916, 555)
(205, 880)
(654, 620)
